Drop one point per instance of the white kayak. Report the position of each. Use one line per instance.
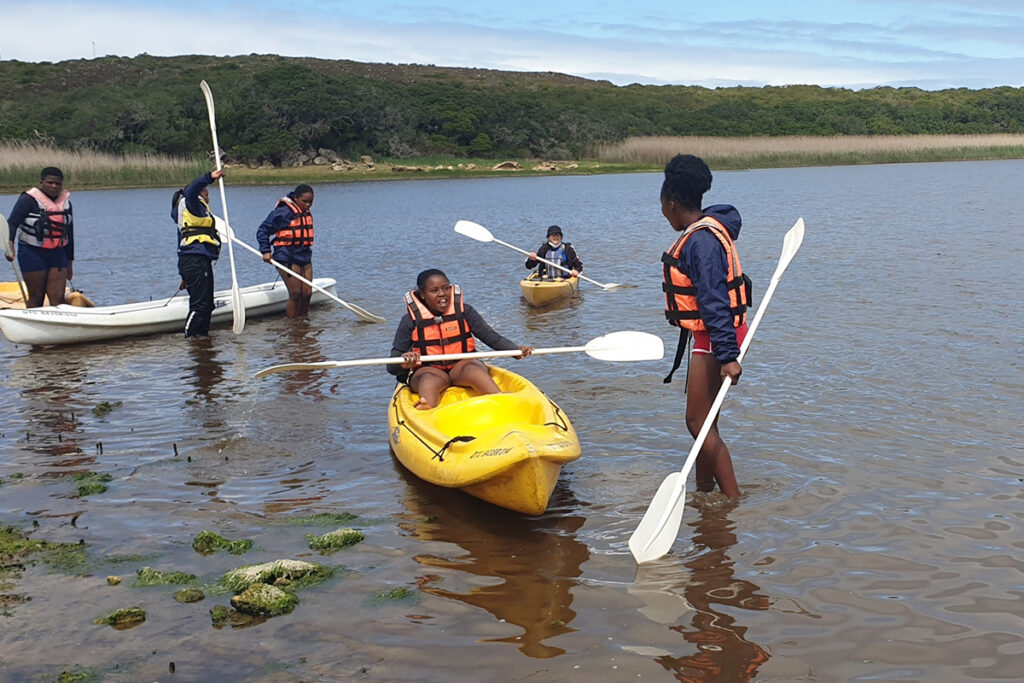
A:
(66, 324)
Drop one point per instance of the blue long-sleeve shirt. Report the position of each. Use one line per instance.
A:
(196, 208)
(703, 259)
(278, 219)
(25, 205)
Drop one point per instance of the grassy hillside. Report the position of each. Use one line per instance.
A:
(271, 110)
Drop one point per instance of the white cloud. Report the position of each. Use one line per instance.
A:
(713, 54)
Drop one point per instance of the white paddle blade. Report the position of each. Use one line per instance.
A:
(626, 345)
(473, 231)
(238, 312)
(660, 525)
(790, 245)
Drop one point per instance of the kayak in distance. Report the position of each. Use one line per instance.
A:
(67, 324)
(507, 449)
(542, 291)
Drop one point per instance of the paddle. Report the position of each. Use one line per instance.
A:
(363, 314)
(660, 524)
(9, 249)
(481, 234)
(237, 307)
(615, 346)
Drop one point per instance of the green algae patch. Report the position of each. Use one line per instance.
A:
(123, 619)
(219, 615)
(333, 541)
(103, 408)
(207, 543)
(16, 546)
(147, 576)
(79, 676)
(323, 519)
(403, 595)
(293, 573)
(264, 600)
(91, 483)
(189, 595)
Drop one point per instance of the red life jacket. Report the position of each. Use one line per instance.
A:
(681, 295)
(433, 335)
(49, 224)
(299, 232)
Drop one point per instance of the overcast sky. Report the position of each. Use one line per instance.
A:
(850, 43)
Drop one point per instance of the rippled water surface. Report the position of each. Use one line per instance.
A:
(876, 435)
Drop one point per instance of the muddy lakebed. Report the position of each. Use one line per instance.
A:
(876, 437)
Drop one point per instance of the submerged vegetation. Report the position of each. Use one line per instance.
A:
(207, 543)
(333, 541)
(90, 483)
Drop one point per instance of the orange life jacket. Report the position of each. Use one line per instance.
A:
(433, 335)
(299, 232)
(681, 295)
(48, 226)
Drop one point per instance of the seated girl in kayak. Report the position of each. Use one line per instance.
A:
(438, 322)
(554, 249)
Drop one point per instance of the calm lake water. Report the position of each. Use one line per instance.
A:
(876, 435)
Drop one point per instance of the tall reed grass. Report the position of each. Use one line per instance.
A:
(20, 163)
(805, 150)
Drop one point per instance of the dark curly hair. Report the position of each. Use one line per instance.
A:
(421, 279)
(687, 178)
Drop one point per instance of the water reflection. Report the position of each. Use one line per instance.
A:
(536, 559)
(48, 381)
(301, 345)
(713, 593)
(206, 373)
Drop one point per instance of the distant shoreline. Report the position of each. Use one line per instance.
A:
(85, 170)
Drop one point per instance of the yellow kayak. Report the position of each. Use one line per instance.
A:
(506, 449)
(10, 297)
(540, 292)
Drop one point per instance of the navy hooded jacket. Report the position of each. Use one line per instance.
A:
(703, 260)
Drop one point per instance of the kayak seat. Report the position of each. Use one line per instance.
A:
(479, 414)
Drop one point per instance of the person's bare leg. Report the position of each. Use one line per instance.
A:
(473, 374)
(428, 383)
(305, 291)
(56, 283)
(35, 283)
(714, 463)
(294, 294)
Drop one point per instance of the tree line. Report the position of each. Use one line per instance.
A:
(270, 107)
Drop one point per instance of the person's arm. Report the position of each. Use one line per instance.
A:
(22, 207)
(574, 259)
(270, 226)
(704, 259)
(401, 345)
(531, 260)
(485, 333)
(192, 203)
(69, 248)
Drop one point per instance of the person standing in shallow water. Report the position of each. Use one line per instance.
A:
(706, 295)
(198, 249)
(290, 228)
(438, 322)
(41, 224)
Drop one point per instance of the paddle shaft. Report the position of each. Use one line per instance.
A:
(550, 263)
(363, 314)
(423, 359)
(9, 249)
(237, 308)
(790, 246)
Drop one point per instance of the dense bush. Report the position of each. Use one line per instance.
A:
(269, 107)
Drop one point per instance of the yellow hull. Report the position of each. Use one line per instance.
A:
(10, 297)
(506, 449)
(539, 292)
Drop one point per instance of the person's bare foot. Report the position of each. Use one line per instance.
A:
(422, 404)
